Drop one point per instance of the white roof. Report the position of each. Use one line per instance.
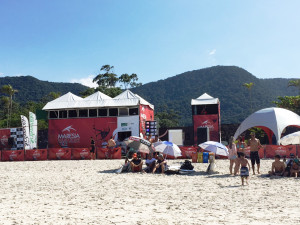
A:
(68, 100)
(205, 99)
(98, 99)
(276, 119)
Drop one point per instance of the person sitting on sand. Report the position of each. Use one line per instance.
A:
(136, 164)
(160, 165)
(295, 169)
(150, 163)
(289, 163)
(245, 165)
(278, 167)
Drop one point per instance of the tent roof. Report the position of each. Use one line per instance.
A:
(66, 101)
(276, 119)
(98, 99)
(205, 99)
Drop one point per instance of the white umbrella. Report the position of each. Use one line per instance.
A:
(215, 147)
(167, 148)
(139, 144)
(291, 139)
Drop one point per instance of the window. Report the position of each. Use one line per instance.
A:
(102, 112)
(53, 114)
(72, 113)
(83, 113)
(123, 111)
(92, 112)
(133, 111)
(63, 114)
(113, 112)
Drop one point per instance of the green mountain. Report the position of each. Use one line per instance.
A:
(32, 89)
(223, 82)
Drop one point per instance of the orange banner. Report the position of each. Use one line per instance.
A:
(36, 154)
(272, 150)
(187, 152)
(81, 153)
(59, 153)
(12, 155)
(106, 153)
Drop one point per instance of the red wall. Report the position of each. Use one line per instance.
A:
(210, 121)
(4, 135)
(146, 113)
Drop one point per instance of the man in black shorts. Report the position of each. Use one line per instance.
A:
(92, 150)
(254, 156)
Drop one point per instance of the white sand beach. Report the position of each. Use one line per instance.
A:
(89, 192)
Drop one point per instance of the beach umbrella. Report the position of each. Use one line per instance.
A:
(215, 147)
(139, 144)
(167, 148)
(291, 139)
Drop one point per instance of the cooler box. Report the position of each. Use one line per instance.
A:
(200, 157)
(205, 157)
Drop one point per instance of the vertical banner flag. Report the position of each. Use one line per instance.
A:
(32, 130)
(25, 126)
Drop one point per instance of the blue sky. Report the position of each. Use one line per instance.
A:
(67, 41)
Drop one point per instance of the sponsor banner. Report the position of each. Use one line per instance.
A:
(210, 121)
(25, 126)
(76, 133)
(80, 153)
(32, 130)
(10, 155)
(59, 153)
(272, 150)
(261, 152)
(146, 113)
(106, 153)
(4, 135)
(35, 154)
(187, 152)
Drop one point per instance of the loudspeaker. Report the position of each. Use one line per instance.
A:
(11, 141)
(202, 135)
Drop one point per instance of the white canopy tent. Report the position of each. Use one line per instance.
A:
(205, 99)
(272, 120)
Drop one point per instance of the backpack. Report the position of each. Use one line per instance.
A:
(187, 165)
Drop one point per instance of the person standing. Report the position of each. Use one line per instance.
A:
(110, 145)
(244, 172)
(255, 145)
(240, 146)
(92, 151)
(232, 154)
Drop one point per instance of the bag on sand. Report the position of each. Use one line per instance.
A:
(187, 165)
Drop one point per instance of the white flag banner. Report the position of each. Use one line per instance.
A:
(32, 130)
(25, 126)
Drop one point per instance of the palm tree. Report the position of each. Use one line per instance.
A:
(8, 89)
(295, 83)
(249, 87)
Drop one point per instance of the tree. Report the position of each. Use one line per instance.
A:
(249, 87)
(8, 90)
(168, 119)
(108, 78)
(129, 80)
(291, 103)
(295, 83)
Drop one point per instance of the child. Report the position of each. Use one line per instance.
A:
(244, 172)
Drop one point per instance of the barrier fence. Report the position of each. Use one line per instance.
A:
(188, 152)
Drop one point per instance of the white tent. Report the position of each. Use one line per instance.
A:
(68, 100)
(205, 99)
(274, 119)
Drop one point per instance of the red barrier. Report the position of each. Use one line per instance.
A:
(106, 153)
(59, 153)
(187, 152)
(261, 152)
(272, 150)
(12, 155)
(36, 154)
(81, 153)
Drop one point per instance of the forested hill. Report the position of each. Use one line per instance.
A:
(32, 89)
(223, 82)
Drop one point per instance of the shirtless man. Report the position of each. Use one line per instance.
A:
(254, 156)
(278, 167)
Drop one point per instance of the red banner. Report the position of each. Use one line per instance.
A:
(261, 152)
(187, 152)
(146, 113)
(272, 150)
(81, 153)
(76, 133)
(106, 153)
(4, 135)
(12, 155)
(36, 154)
(210, 121)
(59, 153)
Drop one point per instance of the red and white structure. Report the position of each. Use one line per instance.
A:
(73, 120)
(206, 119)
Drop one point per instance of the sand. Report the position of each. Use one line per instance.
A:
(89, 192)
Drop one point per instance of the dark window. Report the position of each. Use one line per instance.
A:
(53, 114)
(102, 112)
(205, 109)
(133, 111)
(123, 111)
(72, 113)
(83, 113)
(63, 114)
(113, 112)
(92, 112)
(123, 135)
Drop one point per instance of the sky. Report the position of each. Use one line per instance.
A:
(69, 41)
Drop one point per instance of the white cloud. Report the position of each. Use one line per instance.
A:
(212, 52)
(1, 74)
(88, 81)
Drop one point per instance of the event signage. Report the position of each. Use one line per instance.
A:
(32, 130)
(25, 126)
